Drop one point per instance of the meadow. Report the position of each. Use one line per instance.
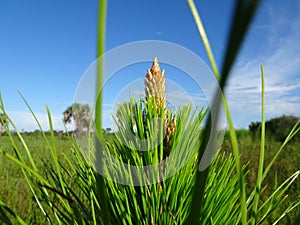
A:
(17, 195)
(287, 163)
(51, 179)
(14, 190)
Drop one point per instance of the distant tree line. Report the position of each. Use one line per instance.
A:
(80, 114)
(277, 128)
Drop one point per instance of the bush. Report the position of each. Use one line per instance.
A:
(277, 128)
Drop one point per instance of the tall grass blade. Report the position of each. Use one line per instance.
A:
(55, 158)
(274, 201)
(286, 212)
(262, 150)
(36, 120)
(243, 15)
(4, 217)
(19, 136)
(244, 12)
(204, 38)
(20, 158)
(102, 5)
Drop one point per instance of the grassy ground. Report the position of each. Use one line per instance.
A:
(16, 194)
(14, 190)
(287, 163)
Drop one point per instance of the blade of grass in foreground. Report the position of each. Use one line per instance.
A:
(273, 202)
(5, 219)
(102, 5)
(32, 174)
(262, 149)
(36, 120)
(52, 147)
(19, 155)
(295, 130)
(243, 15)
(55, 159)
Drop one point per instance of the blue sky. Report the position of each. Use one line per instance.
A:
(46, 47)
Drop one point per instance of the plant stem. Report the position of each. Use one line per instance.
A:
(104, 215)
(231, 127)
(244, 12)
(100, 64)
(204, 38)
(262, 149)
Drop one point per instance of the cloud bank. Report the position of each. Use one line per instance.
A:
(281, 60)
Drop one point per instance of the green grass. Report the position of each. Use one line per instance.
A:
(16, 194)
(14, 190)
(63, 186)
(284, 166)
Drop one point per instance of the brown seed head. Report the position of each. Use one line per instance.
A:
(155, 82)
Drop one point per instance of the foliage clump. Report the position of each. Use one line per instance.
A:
(277, 128)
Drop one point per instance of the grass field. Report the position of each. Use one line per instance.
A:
(14, 190)
(16, 194)
(287, 163)
(50, 174)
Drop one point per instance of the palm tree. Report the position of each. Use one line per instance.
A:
(81, 114)
(3, 122)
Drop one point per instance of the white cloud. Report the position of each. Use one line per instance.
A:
(24, 120)
(282, 75)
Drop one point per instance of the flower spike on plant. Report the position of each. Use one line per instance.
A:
(155, 85)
